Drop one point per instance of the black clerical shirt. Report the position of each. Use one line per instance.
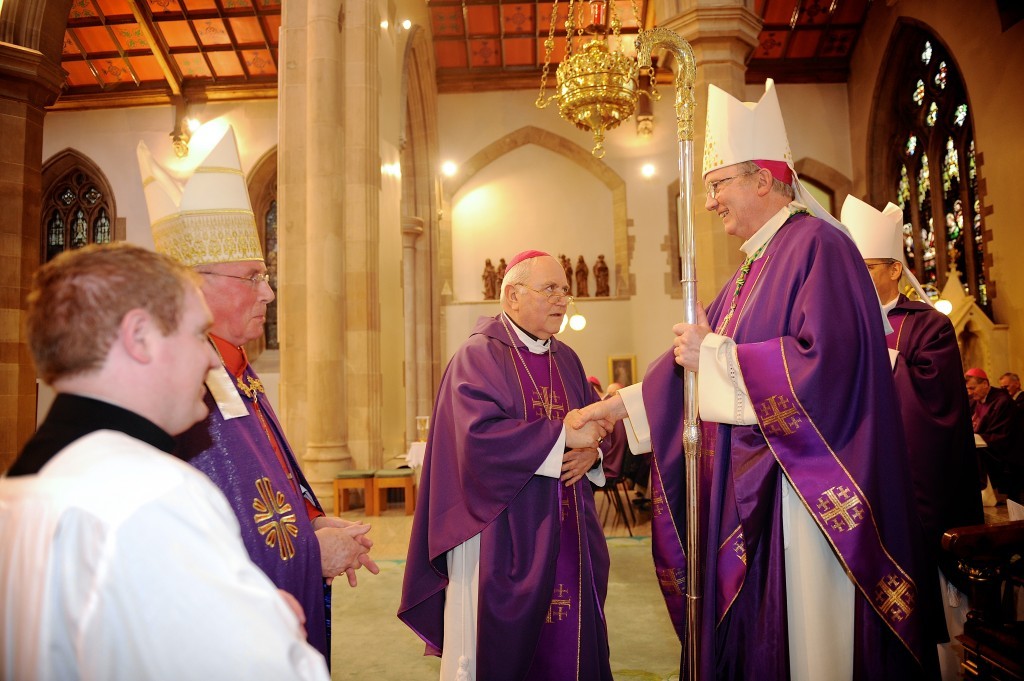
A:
(72, 417)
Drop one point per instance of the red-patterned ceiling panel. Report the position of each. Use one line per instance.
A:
(113, 71)
(557, 53)
(200, 5)
(69, 47)
(446, 20)
(803, 44)
(246, 30)
(838, 43)
(544, 17)
(159, 7)
(192, 65)
(259, 63)
(147, 68)
(779, 11)
(94, 40)
(484, 53)
(273, 24)
(814, 13)
(114, 8)
(82, 9)
(482, 20)
(225, 64)
(772, 44)
(177, 33)
(79, 74)
(450, 54)
(212, 32)
(851, 12)
(130, 37)
(520, 51)
(519, 18)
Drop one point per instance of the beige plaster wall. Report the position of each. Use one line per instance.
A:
(989, 61)
(642, 324)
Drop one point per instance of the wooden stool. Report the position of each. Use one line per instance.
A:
(352, 480)
(394, 478)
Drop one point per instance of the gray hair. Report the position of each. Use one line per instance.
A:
(1013, 377)
(778, 186)
(518, 274)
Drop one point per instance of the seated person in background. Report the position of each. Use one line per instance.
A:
(636, 468)
(994, 419)
(121, 561)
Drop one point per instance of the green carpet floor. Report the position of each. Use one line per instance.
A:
(371, 644)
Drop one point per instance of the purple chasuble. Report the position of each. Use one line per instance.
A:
(239, 459)
(936, 417)
(819, 378)
(543, 556)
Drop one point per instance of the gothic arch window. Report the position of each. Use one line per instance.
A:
(263, 197)
(932, 170)
(78, 206)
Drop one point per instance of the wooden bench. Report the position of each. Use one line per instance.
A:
(347, 481)
(394, 478)
(991, 557)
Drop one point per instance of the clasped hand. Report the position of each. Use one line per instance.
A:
(344, 548)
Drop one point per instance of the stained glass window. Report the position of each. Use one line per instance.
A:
(938, 192)
(960, 116)
(78, 209)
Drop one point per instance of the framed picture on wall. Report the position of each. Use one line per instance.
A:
(622, 369)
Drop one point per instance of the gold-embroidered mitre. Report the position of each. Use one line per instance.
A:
(744, 131)
(209, 219)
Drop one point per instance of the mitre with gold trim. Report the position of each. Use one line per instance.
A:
(208, 218)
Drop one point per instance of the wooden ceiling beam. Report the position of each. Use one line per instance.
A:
(159, 52)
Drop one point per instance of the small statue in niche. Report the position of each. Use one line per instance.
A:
(499, 275)
(488, 279)
(601, 278)
(582, 283)
(567, 266)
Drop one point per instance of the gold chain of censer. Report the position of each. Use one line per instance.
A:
(597, 88)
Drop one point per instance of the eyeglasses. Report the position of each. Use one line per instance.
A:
(712, 187)
(554, 294)
(254, 279)
(884, 263)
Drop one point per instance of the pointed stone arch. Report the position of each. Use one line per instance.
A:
(625, 281)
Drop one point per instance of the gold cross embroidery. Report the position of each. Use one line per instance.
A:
(838, 508)
(251, 389)
(565, 508)
(544, 398)
(559, 606)
(895, 597)
(672, 581)
(274, 519)
(740, 549)
(778, 416)
(657, 502)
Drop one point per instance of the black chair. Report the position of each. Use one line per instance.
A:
(613, 490)
(991, 560)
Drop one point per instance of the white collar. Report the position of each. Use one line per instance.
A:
(537, 347)
(762, 236)
(887, 307)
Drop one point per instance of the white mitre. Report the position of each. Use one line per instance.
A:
(747, 131)
(879, 235)
(208, 219)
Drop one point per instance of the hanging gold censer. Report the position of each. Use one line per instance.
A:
(596, 86)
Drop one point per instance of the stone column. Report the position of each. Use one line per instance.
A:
(361, 234)
(412, 228)
(327, 287)
(722, 37)
(29, 81)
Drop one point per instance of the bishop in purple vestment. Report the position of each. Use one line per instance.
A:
(813, 564)
(508, 568)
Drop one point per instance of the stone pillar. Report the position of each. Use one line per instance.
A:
(29, 81)
(361, 234)
(722, 37)
(327, 387)
(412, 228)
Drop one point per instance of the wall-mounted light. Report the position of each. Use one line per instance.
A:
(384, 24)
(184, 127)
(406, 24)
(648, 170)
(449, 168)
